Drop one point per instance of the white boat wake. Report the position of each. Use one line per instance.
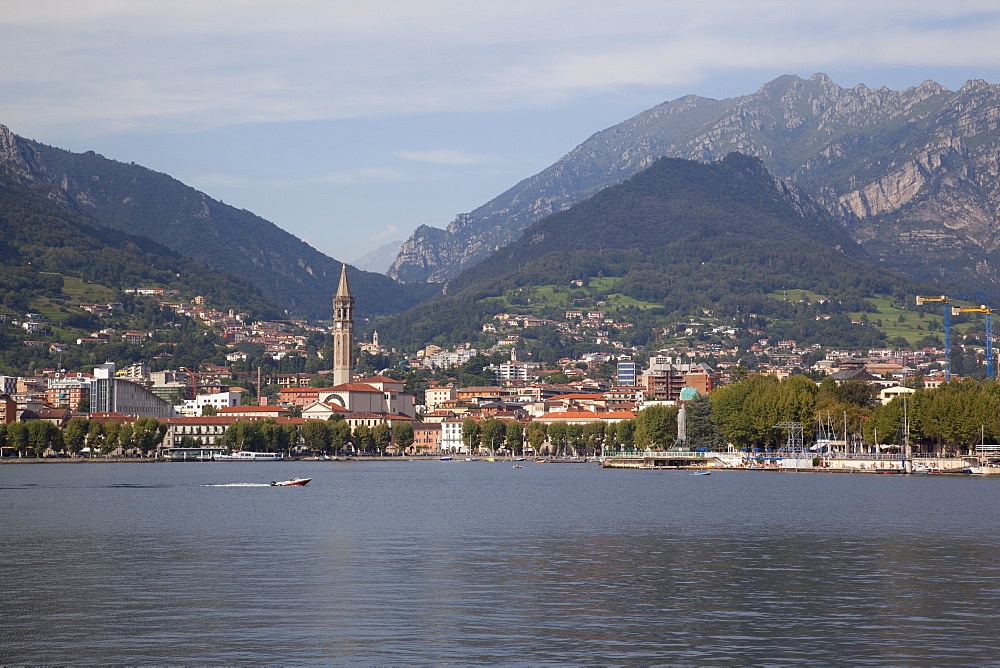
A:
(241, 484)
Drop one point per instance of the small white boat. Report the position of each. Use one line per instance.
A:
(445, 459)
(294, 482)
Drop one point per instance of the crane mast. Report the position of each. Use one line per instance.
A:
(988, 312)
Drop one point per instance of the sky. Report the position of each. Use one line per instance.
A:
(351, 123)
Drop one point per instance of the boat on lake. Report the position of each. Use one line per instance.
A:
(702, 473)
(294, 482)
(247, 456)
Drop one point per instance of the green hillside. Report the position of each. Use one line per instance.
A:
(52, 261)
(677, 238)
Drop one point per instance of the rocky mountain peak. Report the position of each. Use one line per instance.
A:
(18, 158)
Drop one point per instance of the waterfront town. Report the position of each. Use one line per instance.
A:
(572, 408)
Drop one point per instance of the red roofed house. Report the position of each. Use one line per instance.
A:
(426, 437)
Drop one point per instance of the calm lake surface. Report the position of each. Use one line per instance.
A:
(479, 563)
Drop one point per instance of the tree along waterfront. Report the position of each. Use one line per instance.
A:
(948, 419)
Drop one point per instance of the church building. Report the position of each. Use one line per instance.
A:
(377, 395)
(343, 331)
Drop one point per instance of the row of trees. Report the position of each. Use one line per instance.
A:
(146, 434)
(39, 436)
(950, 418)
(334, 435)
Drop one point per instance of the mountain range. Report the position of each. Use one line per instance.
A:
(144, 203)
(674, 239)
(911, 175)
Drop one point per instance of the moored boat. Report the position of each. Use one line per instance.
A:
(247, 456)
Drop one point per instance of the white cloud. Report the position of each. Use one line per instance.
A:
(114, 65)
(390, 232)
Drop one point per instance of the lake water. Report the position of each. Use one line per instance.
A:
(480, 563)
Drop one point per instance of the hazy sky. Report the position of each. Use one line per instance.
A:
(350, 123)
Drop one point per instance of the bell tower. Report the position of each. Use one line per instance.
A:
(343, 331)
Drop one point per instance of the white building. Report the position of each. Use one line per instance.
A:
(196, 407)
(451, 437)
(889, 393)
(115, 395)
(435, 396)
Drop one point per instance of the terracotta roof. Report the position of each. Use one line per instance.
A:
(570, 415)
(354, 387)
(332, 407)
(385, 416)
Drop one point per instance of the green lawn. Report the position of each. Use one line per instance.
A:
(78, 292)
(795, 295)
(909, 324)
(562, 296)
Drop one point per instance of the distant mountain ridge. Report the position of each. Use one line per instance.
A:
(911, 174)
(380, 259)
(139, 201)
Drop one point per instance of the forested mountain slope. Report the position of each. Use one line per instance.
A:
(40, 242)
(682, 234)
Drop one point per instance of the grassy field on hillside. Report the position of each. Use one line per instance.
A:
(911, 325)
(539, 297)
(78, 292)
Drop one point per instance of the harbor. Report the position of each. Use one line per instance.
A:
(794, 461)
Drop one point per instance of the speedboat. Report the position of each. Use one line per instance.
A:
(294, 482)
(702, 473)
